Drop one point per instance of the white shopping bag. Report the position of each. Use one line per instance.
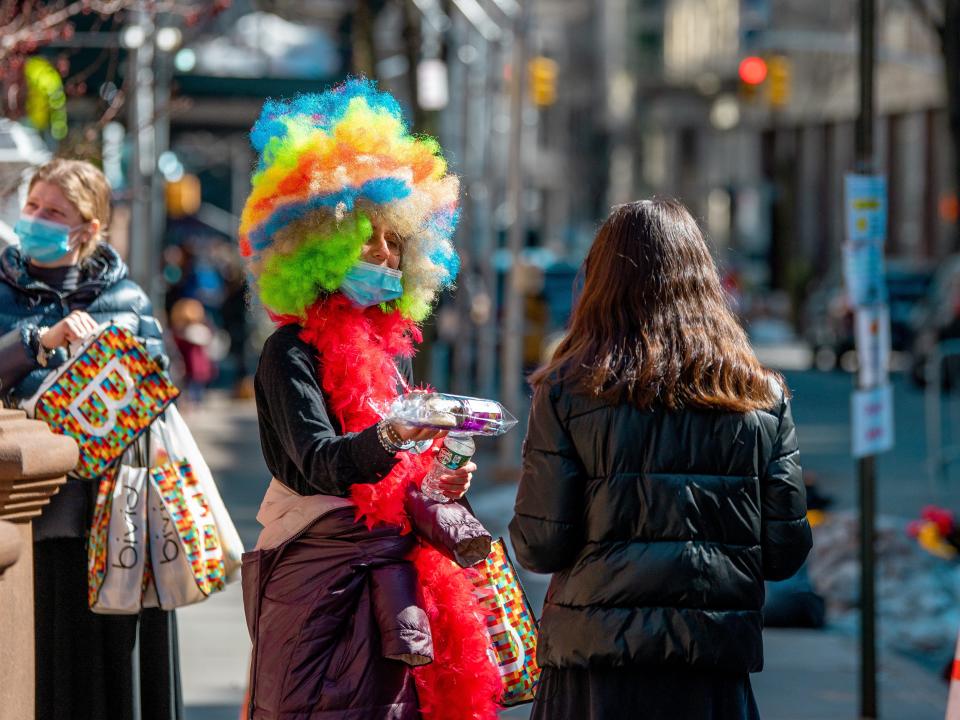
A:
(117, 550)
(173, 442)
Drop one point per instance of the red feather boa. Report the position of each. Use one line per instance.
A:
(357, 348)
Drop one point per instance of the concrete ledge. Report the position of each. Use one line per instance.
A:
(16, 632)
(10, 546)
(33, 465)
(33, 462)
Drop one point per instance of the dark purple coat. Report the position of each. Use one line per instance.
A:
(333, 609)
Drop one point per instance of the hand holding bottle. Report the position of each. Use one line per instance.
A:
(453, 484)
(450, 466)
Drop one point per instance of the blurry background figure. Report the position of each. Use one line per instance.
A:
(205, 268)
(234, 317)
(194, 340)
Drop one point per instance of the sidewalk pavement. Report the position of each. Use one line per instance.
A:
(809, 674)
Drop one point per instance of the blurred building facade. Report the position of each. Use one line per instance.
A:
(642, 98)
(765, 174)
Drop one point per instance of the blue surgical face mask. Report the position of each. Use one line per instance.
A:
(367, 284)
(44, 240)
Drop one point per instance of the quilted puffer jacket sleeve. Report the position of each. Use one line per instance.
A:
(547, 527)
(148, 332)
(16, 356)
(450, 527)
(786, 533)
(151, 336)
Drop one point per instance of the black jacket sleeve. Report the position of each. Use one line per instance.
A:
(298, 427)
(786, 536)
(547, 526)
(17, 355)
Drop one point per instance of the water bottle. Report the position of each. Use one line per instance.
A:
(455, 452)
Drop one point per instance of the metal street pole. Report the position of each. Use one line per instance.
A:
(163, 75)
(483, 86)
(458, 140)
(143, 157)
(511, 364)
(866, 466)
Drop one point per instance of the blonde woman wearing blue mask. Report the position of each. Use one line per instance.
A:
(56, 287)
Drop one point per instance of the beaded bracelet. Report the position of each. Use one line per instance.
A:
(384, 440)
(392, 435)
(389, 440)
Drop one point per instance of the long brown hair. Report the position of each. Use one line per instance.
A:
(652, 325)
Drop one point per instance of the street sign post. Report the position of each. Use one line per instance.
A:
(866, 223)
(872, 429)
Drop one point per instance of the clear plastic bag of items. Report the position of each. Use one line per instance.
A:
(456, 413)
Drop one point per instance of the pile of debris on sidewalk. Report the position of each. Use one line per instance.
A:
(918, 593)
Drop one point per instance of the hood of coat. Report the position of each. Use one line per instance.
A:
(98, 272)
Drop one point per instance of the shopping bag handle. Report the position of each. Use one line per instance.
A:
(80, 344)
(167, 441)
(520, 652)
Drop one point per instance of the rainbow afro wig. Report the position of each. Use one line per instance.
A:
(330, 167)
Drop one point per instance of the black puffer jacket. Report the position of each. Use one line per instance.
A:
(660, 528)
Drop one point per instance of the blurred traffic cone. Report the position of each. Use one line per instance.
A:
(953, 699)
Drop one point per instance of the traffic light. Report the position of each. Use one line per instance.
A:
(543, 80)
(752, 72)
(778, 81)
(183, 196)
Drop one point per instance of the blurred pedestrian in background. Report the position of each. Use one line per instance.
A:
(235, 315)
(193, 337)
(55, 289)
(661, 485)
(352, 609)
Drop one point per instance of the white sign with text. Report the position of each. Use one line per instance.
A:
(872, 426)
(872, 333)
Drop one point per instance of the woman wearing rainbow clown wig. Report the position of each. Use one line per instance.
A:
(355, 598)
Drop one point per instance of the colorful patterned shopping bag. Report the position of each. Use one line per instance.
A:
(186, 553)
(510, 622)
(104, 397)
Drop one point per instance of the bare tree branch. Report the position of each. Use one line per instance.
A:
(44, 25)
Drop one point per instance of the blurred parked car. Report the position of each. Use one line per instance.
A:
(828, 324)
(937, 319)
(829, 315)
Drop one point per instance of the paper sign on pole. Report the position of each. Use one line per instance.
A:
(866, 198)
(872, 426)
(872, 334)
(866, 209)
(863, 273)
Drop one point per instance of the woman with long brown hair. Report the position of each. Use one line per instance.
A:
(661, 485)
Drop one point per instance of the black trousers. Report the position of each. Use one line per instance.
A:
(85, 662)
(643, 693)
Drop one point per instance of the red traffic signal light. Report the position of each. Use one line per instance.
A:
(753, 70)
